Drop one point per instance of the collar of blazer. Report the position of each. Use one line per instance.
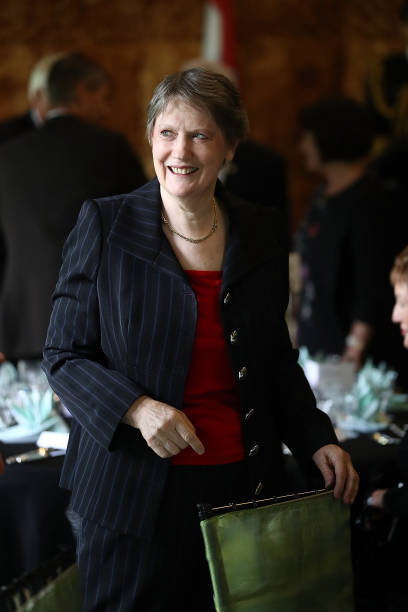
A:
(253, 238)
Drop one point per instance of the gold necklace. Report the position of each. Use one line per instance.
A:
(194, 240)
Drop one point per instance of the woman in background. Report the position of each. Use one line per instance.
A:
(395, 499)
(386, 565)
(344, 242)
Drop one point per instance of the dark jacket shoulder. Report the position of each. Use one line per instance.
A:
(14, 126)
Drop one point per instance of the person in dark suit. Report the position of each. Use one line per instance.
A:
(253, 159)
(171, 351)
(45, 175)
(37, 98)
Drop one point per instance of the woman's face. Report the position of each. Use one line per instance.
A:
(188, 150)
(400, 312)
(309, 150)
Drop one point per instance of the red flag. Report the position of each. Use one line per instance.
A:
(219, 40)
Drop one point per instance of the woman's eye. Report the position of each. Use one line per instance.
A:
(165, 133)
(199, 136)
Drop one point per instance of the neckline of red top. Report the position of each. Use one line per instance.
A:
(207, 273)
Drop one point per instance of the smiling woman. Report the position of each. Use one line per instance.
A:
(181, 380)
(394, 500)
(399, 278)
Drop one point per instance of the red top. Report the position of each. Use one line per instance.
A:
(211, 400)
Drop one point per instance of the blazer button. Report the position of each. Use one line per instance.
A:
(254, 450)
(227, 297)
(242, 373)
(234, 336)
(258, 488)
(249, 414)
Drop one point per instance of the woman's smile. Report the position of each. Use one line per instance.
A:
(184, 170)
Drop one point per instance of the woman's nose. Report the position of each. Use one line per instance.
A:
(180, 146)
(395, 314)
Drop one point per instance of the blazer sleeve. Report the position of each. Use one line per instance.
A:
(304, 428)
(74, 362)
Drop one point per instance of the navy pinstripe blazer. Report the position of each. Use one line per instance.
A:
(123, 324)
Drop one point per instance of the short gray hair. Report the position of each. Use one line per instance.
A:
(38, 78)
(206, 90)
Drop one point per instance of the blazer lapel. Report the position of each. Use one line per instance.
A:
(137, 230)
(250, 242)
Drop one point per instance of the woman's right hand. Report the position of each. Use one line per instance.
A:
(166, 430)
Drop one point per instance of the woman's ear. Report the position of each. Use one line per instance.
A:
(230, 153)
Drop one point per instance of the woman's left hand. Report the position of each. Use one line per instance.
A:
(336, 468)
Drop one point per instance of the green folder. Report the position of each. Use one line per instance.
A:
(284, 554)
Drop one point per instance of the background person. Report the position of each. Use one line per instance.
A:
(38, 101)
(395, 499)
(77, 85)
(347, 240)
(380, 547)
(168, 344)
(45, 175)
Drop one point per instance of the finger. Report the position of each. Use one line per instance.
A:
(190, 437)
(340, 475)
(163, 446)
(197, 445)
(174, 436)
(179, 436)
(166, 432)
(171, 448)
(327, 474)
(175, 442)
(352, 484)
(160, 450)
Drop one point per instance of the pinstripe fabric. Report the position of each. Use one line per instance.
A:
(168, 573)
(123, 325)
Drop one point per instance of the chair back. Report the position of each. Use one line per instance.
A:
(282, 554)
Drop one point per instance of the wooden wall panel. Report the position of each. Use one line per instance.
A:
(290, 52)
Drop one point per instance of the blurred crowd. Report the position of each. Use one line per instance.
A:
(58, 154)
(356, 222)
